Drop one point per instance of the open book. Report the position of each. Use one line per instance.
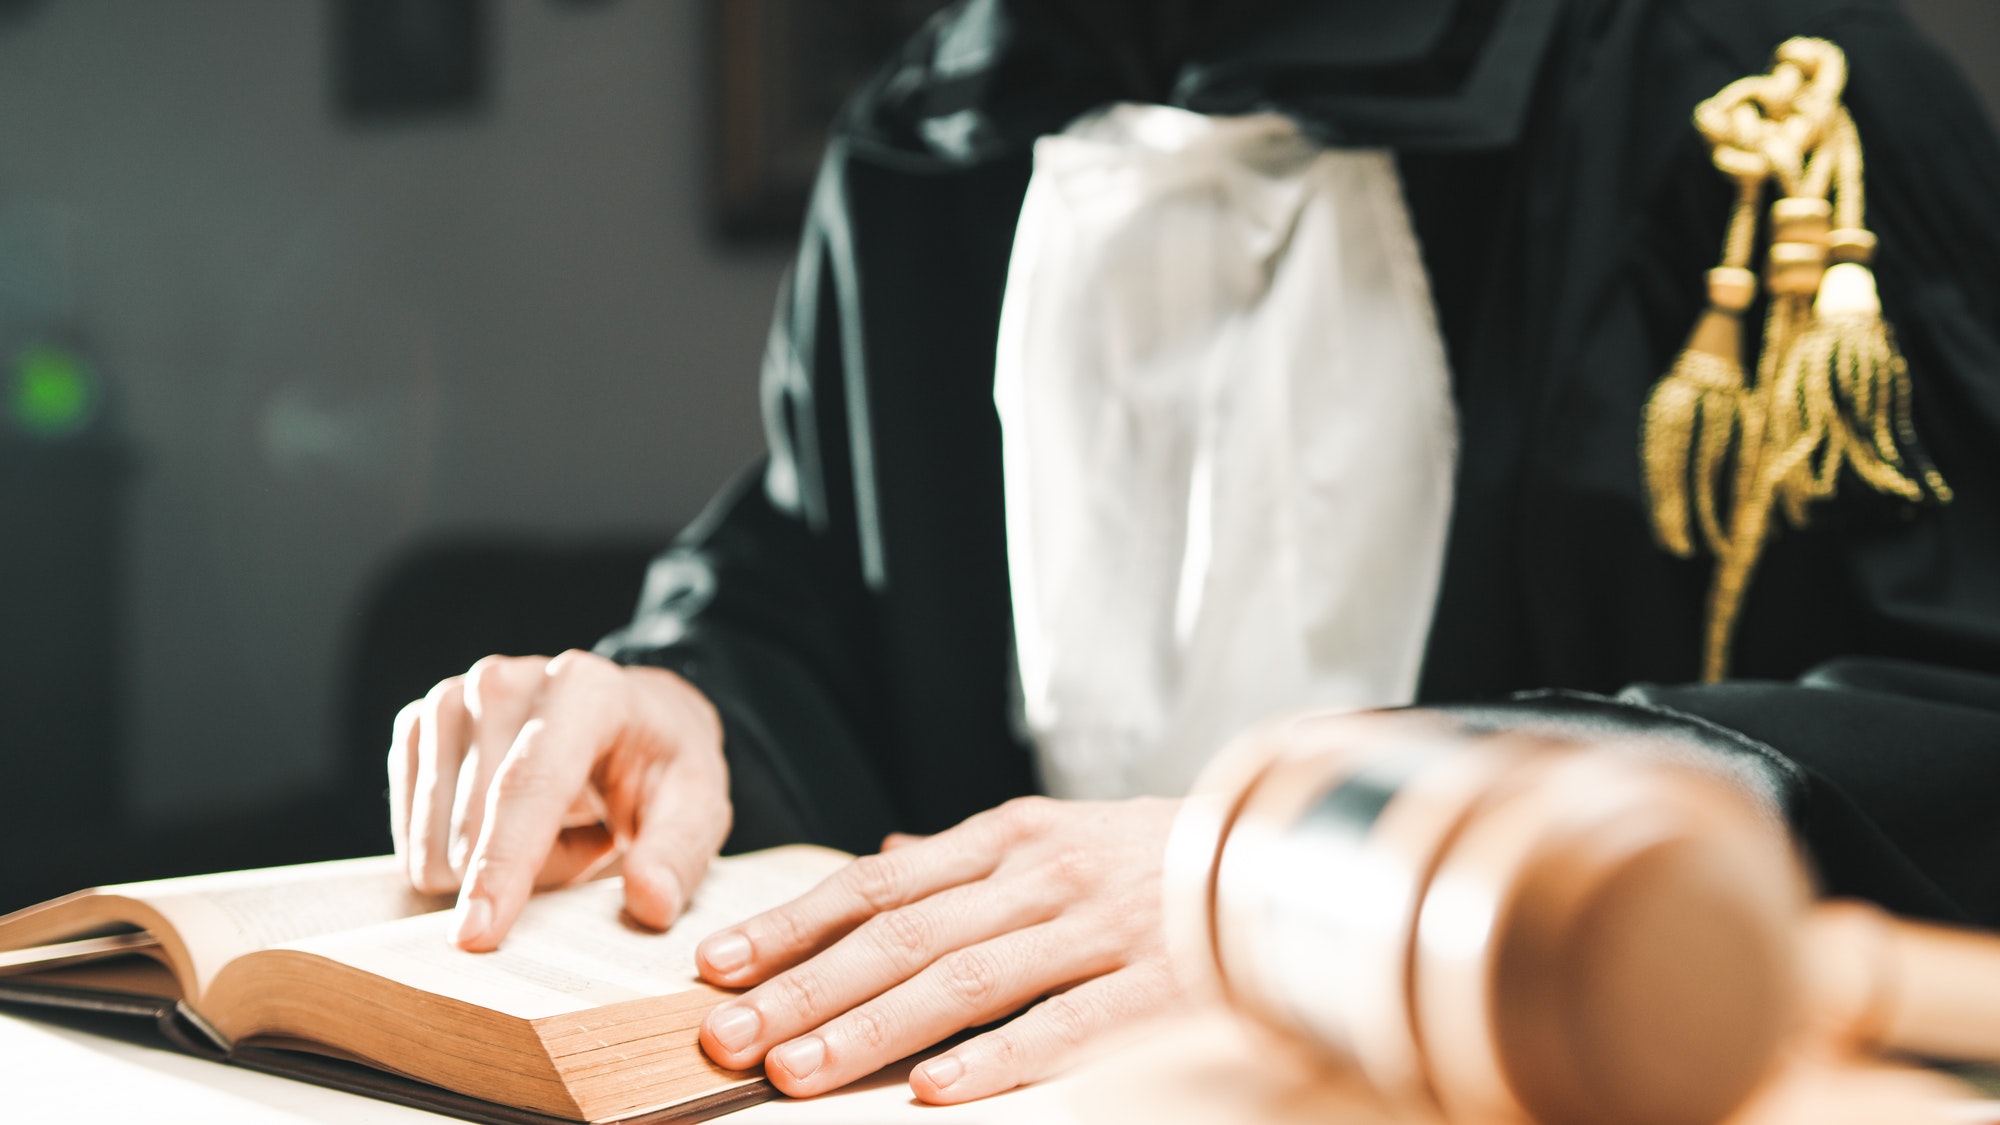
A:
(580, 1015)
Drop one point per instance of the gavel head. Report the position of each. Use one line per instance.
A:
(1493, 927)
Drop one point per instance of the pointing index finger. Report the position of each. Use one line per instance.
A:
(546, 767)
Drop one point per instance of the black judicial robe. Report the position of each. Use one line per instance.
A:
(845, 603)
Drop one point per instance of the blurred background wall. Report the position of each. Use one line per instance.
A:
(327, 342)
(1970, 31)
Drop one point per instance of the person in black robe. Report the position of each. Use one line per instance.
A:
(844, 605)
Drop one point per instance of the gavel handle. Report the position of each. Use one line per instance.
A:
(1884, 983)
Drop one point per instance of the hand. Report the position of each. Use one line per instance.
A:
(528, 772)
(1037, 898)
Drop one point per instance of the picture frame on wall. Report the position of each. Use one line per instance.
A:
(781, 70)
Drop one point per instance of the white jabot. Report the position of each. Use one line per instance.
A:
(1228, 436)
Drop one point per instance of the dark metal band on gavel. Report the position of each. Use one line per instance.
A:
(1498, 927)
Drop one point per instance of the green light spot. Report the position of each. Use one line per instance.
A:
(54, 392)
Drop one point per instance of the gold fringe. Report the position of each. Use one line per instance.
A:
(1832, 391)
(1698, 408)
(1850, 360)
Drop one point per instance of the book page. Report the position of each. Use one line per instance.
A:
(576, 949)
(41, 958)
(221, 917)
(130, 976)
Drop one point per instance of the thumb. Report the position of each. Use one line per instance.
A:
(680, 830)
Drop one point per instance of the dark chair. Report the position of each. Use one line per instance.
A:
(430, 614)
(446, 604)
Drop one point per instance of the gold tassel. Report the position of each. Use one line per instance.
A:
(1848, 363)
(1831, 389)
(1800, 438)
(1696, 413)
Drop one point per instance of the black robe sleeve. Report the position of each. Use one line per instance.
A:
(1886, 770)
(844, 603)
(1866, 695)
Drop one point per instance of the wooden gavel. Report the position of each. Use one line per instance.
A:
(1501, 927)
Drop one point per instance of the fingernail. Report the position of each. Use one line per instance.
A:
(801, 1056)
(734, 1026)
(475, 915)
(654, 890)
(943, 1071)
(726, 952)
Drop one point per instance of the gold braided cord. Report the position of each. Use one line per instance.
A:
(1724, 454)
(1698, 410)
(1850, 204)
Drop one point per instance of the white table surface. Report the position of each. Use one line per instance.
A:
(1201, 1070)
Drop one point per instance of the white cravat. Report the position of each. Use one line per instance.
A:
(1228, 437)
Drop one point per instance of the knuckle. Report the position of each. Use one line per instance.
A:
(485, 666)
(782, 929)
(522, 777)
(446, 693)
(576, 668)
(1024, 815)
(466, 815)
(490, 678)
(406, 718)
(1006, 1049)
(973, 976)
(868, 1028)
(877, 880)
(799, 994)
(1073, 868)
(1068, 1020)
(908, 936)
(503, 865)
(431, 882)
(428, 872)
